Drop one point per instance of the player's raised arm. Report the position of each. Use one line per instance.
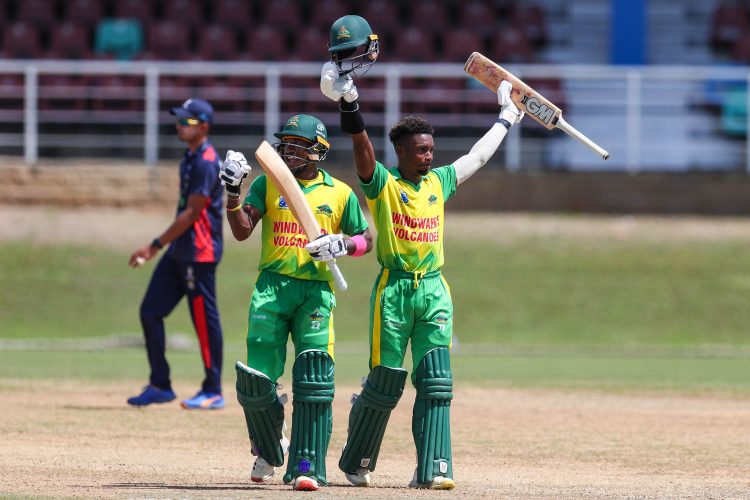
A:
(485, 147)
(242, 219)
(354, 48)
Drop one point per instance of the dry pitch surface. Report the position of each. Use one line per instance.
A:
(73, 439)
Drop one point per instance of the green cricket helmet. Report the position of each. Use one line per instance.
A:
(306, 127)
(353, 45)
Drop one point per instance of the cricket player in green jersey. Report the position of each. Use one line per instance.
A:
(410, 300)
(292, 296)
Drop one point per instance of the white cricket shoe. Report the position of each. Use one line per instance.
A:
(361, 477)
(305, 483)
(262, 470)
(437, 483)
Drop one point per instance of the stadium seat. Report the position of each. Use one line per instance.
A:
(117, 93)
(478, 17)
(234, 13)
(168, 40)
(85, 12)
(510, 45)
(22, 41)
(459, 44)
(136, 9)
(267, 44)
(728, 24)
(741, 49)
(121, 38)
(39, 12)
(381, 9)
(414, 45)
(284, 14)
(531, 21)
(218, 43)
(430, 16)
(311, 44)
(324, 12)
(11, 93)
(69, 41)
(734, 112)
(189, 13)
(432, 95)
(62, 92)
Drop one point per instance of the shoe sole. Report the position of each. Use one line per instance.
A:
(445, 485)
(140, 405)
(305, 486)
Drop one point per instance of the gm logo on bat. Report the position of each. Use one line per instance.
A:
(538, 109)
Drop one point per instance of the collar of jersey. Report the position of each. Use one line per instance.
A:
(323, 177)
(201, 148)
(397, 175)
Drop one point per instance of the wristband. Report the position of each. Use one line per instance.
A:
(156, 243)
(505, 123)
(234, 209)
(360, 245)
(352, 121)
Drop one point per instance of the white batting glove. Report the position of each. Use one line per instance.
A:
(334, 86)
(327, 247)
(233, 171)
(508, 109)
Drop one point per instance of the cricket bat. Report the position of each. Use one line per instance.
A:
(532, 102)
(282, 177)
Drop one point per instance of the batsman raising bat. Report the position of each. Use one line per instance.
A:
(292, 296)
(410, 300)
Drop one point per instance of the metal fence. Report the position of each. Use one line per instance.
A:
(673, 118)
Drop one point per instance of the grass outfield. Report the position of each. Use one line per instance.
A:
(590, 311)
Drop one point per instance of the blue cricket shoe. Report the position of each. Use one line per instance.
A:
(204, 401)
(152, 395)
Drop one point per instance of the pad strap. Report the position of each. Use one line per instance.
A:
(369, 417)
(431, 417)
(312, 419)
(264, 413)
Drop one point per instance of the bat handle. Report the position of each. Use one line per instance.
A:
(573, 132)
(338, 278)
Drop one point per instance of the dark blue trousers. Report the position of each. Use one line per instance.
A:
(171, 281)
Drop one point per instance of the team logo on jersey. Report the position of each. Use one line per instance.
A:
(324, 209)
(316, 319)
(432, 199)
(282, 204)
(404, 198)
(343, 34)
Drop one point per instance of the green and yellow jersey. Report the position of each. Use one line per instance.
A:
(283, 239)
(409, 218)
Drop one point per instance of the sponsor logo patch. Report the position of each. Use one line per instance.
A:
(404, 198)
(282, 204)
(304, 466)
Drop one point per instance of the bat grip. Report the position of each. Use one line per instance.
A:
(573, 132)
(338, 278)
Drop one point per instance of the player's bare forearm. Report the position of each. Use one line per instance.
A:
(364, 156)
(243, 221)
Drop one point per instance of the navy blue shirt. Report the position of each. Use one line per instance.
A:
(199, 173)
